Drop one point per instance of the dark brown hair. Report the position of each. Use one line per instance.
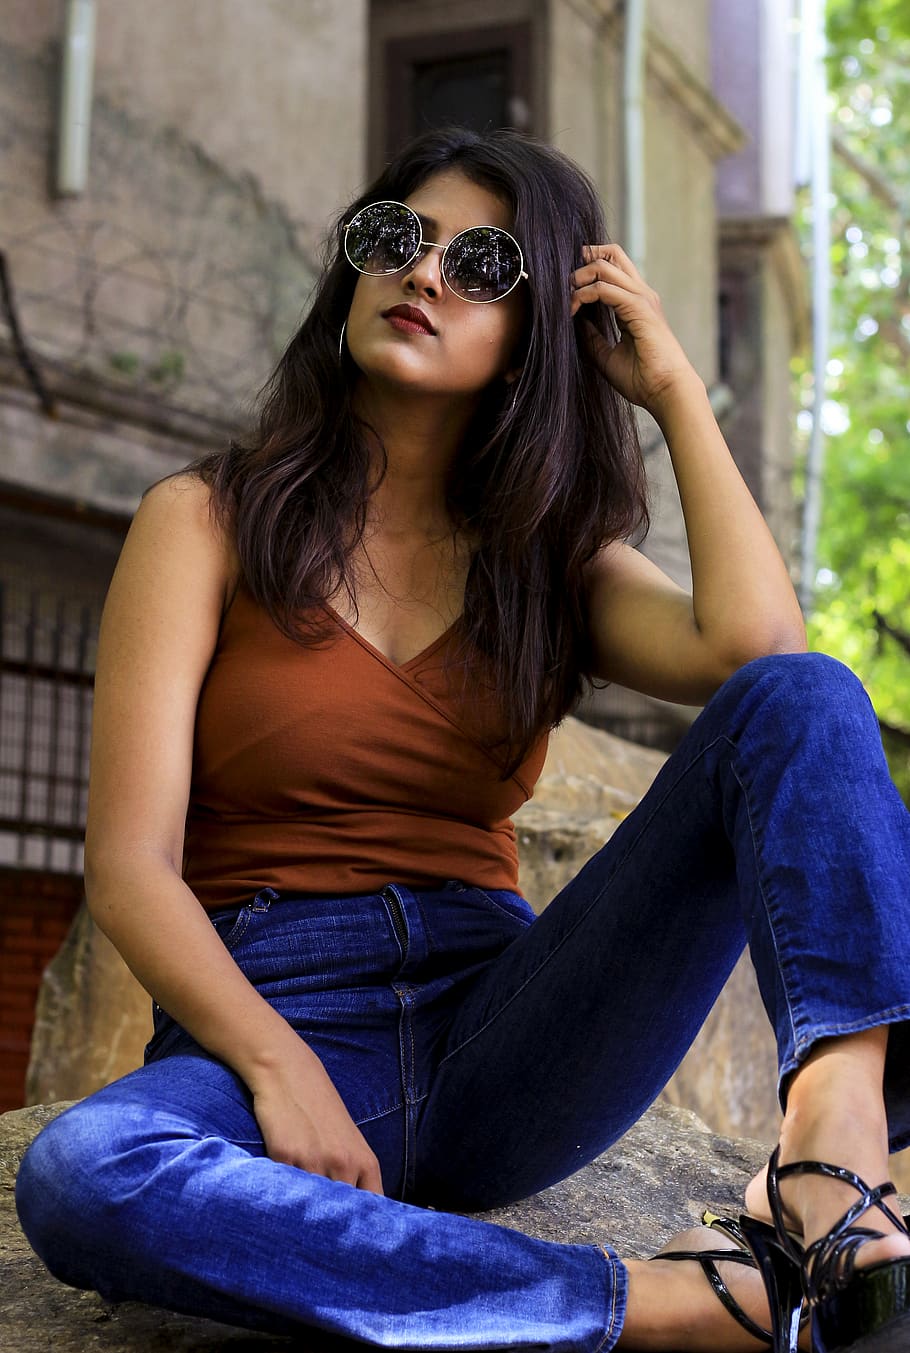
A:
(542, 480)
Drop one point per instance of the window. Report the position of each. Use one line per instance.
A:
(46, 662)
(55, 566)
(479, 78)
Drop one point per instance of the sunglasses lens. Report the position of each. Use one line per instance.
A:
(382, 238)
(482, 264)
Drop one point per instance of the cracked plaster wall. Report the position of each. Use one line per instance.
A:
(157, 303)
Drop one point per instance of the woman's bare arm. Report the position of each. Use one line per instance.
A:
(651, 635)
(158, 634)
(646, 632)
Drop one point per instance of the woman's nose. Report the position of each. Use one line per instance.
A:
(425, 273)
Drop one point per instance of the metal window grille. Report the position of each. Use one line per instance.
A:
(47, 658)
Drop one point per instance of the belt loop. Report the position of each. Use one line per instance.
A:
(263, 899)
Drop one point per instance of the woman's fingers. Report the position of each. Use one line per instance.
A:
(358, 1166)
(612, 253)
(646, 355)
(304, 1122)
(597, 288)
(370, 1178)
(607, 270)
(604, 279)
(611, 264)
(346, 1163)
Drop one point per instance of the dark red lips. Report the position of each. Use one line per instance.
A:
(411, 315)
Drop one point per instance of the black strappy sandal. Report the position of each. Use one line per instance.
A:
(853, 1310)
(709, 1259)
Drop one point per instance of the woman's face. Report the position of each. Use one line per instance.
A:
(471, 345)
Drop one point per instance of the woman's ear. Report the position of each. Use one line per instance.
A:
(513, 374)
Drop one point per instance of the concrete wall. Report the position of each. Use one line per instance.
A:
(210, 187)
(158, 301)
(262, 88)
(583, 93)
(737, 78)
(685, 25)
(785, 305)
(686, 131)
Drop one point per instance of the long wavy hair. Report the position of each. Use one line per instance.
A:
(549, 471)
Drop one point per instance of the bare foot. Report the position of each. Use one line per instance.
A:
(672, 1304)
(835, 1114)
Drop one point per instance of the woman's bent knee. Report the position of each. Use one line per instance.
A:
(61, 1189)
(807, 685)
(802, 671)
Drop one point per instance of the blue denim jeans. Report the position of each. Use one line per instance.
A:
(486, 1054)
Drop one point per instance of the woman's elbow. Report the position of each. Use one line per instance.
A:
(773, 641)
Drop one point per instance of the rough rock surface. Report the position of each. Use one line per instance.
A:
(92, 1018)
(650, 1185)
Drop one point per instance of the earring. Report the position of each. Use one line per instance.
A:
(341, 342)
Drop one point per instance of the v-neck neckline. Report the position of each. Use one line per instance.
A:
(406, 666)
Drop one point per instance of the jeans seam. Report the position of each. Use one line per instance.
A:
(896, 1014)
(407, 1068)
(611, 1319)
(238, 929)
(500, 910)
(764, 900)
(380, 1113)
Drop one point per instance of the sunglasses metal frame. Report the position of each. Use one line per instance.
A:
(423, 244)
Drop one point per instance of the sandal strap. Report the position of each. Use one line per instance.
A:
(727, 1226)
(708, 1260)
(725, 1256)
(829, 1262)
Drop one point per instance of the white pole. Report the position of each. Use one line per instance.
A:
(813, 14)
(635, 242)
(77, 68)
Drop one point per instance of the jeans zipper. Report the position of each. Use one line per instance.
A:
(397, 913)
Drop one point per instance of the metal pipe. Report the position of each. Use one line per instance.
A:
(813, 18)
(635, 242)
(76, 76)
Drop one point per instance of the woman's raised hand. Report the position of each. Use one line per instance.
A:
(304, 1122)
(648, 360)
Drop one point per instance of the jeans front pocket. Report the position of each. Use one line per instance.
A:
(504, 903)
(232, 923)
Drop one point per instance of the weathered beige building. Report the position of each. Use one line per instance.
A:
(142, 313)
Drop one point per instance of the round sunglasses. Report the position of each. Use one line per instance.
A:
(480, 265)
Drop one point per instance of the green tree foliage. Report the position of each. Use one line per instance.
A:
(862, 610)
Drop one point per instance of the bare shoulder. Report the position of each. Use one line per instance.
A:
(175, 577)
(176, 539)
(159, 631)
(183, 491)
(178, 514)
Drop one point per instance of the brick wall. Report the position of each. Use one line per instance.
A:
(35, 913)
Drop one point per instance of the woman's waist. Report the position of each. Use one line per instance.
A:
(337, 942)
(227, 860)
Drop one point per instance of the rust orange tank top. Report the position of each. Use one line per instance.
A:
(334, 771)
